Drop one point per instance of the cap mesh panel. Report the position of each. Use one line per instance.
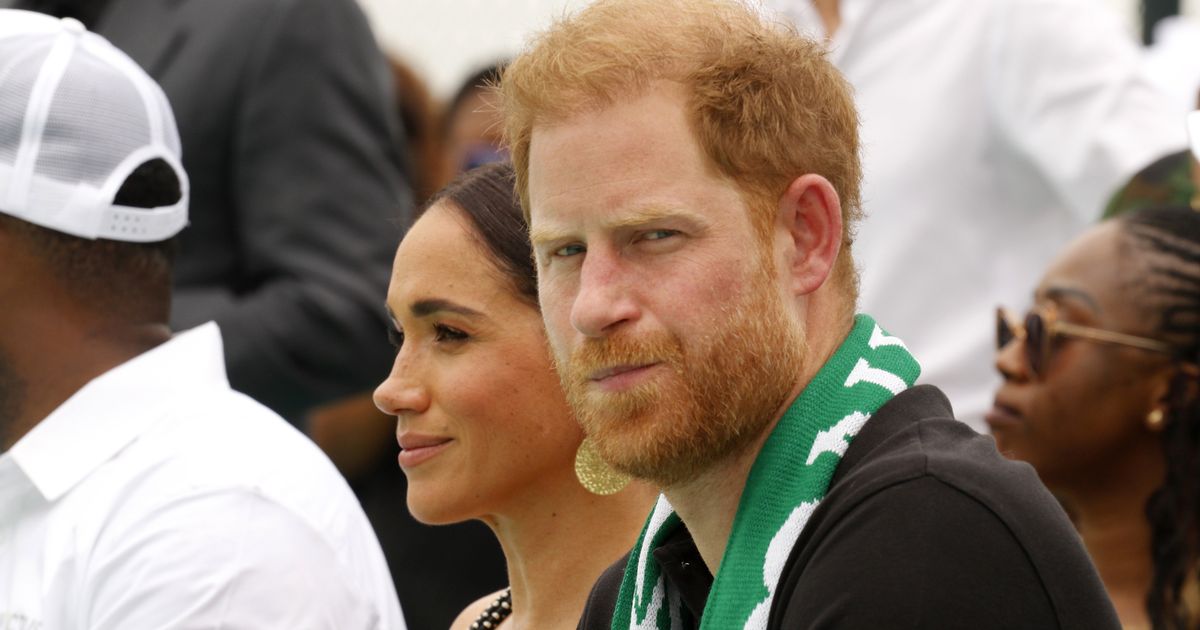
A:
(96, 120)
(20, 60)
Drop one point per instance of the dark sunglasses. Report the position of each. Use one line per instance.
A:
(1042, 326)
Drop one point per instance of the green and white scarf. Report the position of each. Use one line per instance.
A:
(786, 484)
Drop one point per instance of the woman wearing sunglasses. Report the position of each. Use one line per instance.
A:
(1101, 395)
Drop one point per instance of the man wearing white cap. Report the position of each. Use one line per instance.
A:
(137, 490)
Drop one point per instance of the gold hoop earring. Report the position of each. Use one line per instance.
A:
(594, 473)
(1154, 419)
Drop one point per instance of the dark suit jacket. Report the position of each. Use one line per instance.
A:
(298, 198)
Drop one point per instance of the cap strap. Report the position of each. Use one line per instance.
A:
(142, 225)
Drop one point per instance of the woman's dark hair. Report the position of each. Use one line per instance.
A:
(487, 197)
(1166, 242)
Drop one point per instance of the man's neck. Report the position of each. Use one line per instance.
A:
(59, 359)
(708, 503)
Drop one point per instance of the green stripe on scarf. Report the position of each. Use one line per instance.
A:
(789, 478)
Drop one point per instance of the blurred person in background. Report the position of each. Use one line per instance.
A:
(1101, 395)
(137, 490)
(285, 109)
(421, 120)
(1171, 181)
(1173, 58)
(484, 428)
(997, 126)
(472, 122)
(438, 571)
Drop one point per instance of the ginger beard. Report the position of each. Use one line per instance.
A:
(722, 390)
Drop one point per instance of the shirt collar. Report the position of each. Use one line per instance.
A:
(113, 409)
(684, 568)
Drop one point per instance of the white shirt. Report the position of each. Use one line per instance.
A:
(993, 131)
(157, 497)
(1173, 61)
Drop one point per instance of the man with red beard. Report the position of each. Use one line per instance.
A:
(690, 173)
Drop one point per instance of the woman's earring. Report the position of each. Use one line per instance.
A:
(1154, 419)
(594, 473)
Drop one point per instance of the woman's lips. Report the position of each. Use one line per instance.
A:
(418, 449)
(1003, 415)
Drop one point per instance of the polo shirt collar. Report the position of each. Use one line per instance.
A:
(684, 568)
(113, 409)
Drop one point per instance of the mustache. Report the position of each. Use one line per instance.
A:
(598, 354)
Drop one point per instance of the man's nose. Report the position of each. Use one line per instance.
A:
(606, 298)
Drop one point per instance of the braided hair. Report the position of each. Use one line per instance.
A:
(1166, 243)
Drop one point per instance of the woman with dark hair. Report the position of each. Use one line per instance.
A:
(1101, 395)
(484, 428)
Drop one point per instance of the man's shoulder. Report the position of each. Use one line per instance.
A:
(230, 557)
(206, 445)
(220, 489)
(928, 521)
(913, 447)
(228, 442)
(915, 435)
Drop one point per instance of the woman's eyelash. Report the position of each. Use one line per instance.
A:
(446, 333)
(441, 332)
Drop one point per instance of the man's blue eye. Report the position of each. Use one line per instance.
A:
(569, 250)
(656, 235)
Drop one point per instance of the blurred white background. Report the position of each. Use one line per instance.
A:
(446, 40)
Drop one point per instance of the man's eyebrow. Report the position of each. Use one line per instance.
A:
(546, 235)
(648, 214)
(640, 217)
(427, 307)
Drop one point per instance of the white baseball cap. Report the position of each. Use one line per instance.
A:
(77, 116)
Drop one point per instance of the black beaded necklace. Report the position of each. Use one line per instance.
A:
(496, 612)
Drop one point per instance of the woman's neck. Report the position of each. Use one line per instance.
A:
(1111, 519)
(1119, 544)
(557, 541)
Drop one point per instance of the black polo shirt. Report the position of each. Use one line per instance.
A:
(925, 525)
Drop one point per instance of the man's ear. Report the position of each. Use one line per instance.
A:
(810, 220)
